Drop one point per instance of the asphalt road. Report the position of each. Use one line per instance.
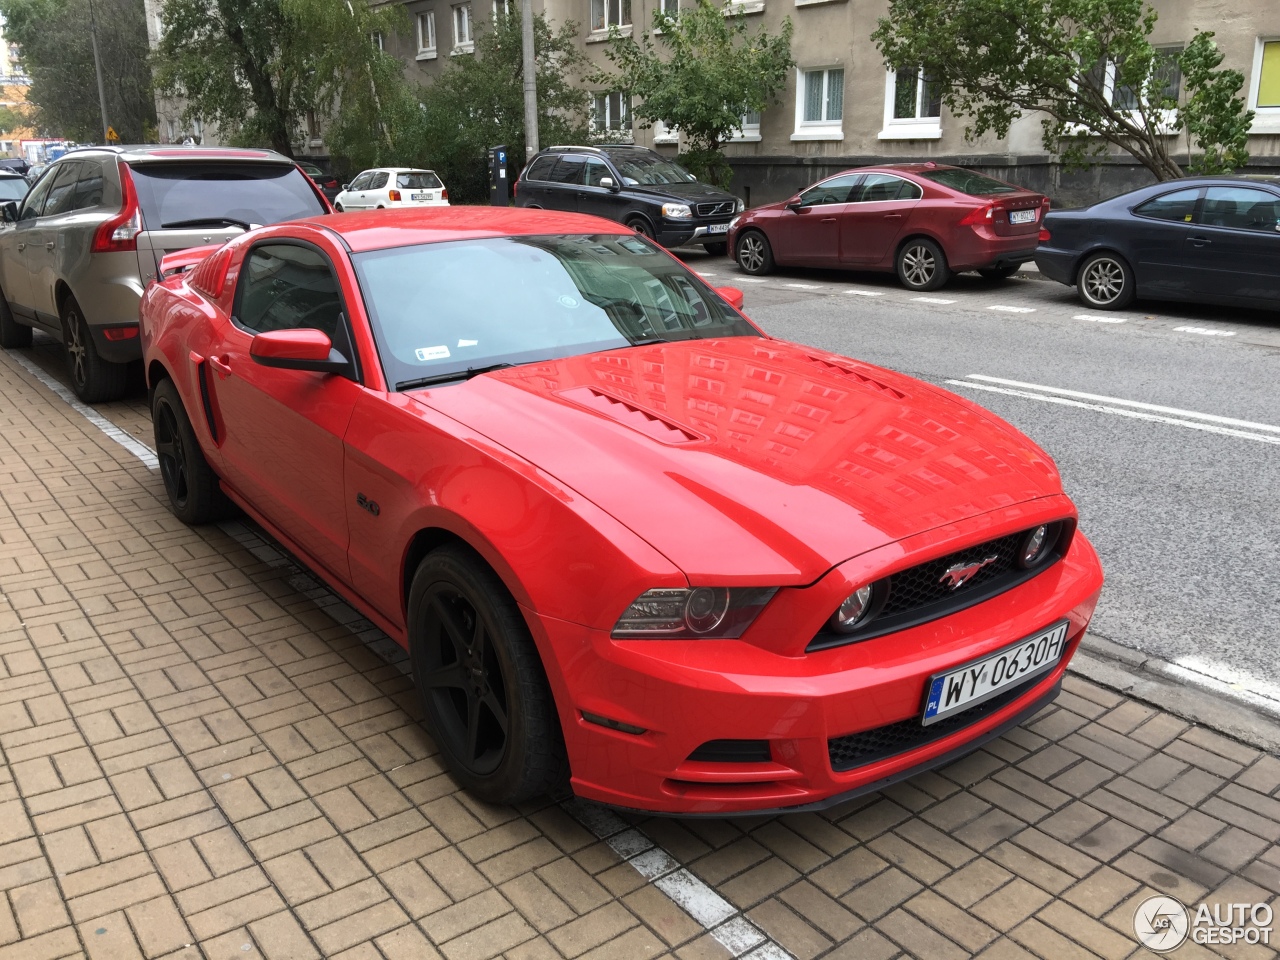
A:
(1187, 521)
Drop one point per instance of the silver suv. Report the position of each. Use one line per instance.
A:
(78, 250)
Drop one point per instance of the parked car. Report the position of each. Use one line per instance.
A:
(327, 182)
(13, 186)
(924, 221)
(77, 252)
(628, 539)
(630, 185)
(1206, 239)
(385, 187)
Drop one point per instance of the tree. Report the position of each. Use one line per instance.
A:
(701, 76)
(478, 101)
(1088, 66)
(257, 67)
(58, 55)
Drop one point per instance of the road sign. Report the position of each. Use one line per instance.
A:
(112, 136)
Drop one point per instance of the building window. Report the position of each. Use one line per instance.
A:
(173, 130)
(610, 113)
(1264, 86)
(670, 8)
(610, 13)
(1167, 72)
(462, 41)
(501, 8)
(749, 131)
(819, 104)
(376, 40)
(427, 35)
(912, 105)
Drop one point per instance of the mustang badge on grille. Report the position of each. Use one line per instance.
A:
(958, 574)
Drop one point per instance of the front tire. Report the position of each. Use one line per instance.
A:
(338, 208)
(94, 380)
(483, 688)
(641, 226)
(12, 333)
(754, 255)
(189, 481)
(922, 265)
(1105, 282)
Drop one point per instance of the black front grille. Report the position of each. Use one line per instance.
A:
(715, 209)
(732, 751)
(924, 592)
(865, 747)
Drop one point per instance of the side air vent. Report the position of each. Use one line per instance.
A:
(732, 751)
(851, 374)
(651, 425)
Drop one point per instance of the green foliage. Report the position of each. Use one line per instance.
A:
(995, 60)
(478, 102)
(255, 68)
(58, 55)
(700, 73)
(11, 120)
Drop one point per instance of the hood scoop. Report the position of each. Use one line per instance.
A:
(849, 374)
(629, 415)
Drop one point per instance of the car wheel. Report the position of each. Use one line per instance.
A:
(1000, 273)
(12, 333)
(922, 265)
(484, 692)
(338, 208)
(94, 380)
(641, 226)
(1106, 282)
(189, 481)
(754, 255)
(716, 249)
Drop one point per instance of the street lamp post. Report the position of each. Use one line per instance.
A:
(530, 81)
(97, 67)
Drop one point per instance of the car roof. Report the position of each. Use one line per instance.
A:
(381, 229)
(171, 152)
(398, 170)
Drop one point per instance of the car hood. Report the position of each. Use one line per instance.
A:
(752, 460)
(693, 190)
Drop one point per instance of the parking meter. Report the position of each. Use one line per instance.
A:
(499, 183)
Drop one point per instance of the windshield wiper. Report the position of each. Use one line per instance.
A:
(207, 222)
(647, 341)
(466, 374)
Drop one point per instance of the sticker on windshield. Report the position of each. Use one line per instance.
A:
(568, 302)
(432, 353)
(467, 343)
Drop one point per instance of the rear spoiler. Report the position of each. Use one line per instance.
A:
(183, 260)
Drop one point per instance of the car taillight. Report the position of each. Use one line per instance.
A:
(979, 215)
(120, 333)
(444, 194)
(515, 188)
(1045, 236)
(120, 233)
(394, 196)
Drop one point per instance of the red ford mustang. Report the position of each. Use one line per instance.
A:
(628, 539)
(924, 221)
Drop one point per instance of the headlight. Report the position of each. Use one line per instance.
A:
(853, 611)
(677, 211)
(692, 612)
(739, 206)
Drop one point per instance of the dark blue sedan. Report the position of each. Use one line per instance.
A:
(1204, 239)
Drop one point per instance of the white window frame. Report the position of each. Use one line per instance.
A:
(626, 127)
(427, 38)
(912, 128)
(1266, 119)
(600, 34)
(747, 132)
(501, 8)
(734, 7)
(818, 129)
(664, 134)
(378, 40)
(1167, 117)
(462, 44)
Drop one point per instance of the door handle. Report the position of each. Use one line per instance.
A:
(21, 247)
(828, 219)
(893, 216)
(49, 245)
(222, 365)
(1200, 241)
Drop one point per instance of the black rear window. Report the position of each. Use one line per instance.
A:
(966, 181)
(258, 193)
(418, 180)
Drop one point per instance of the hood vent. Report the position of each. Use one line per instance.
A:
(849, 374)
(628, 414)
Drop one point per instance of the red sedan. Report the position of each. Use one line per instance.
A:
(629, 540)
(924, 221)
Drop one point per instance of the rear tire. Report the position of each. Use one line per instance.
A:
(192, 487)
(12, 333)
(1000, 273)
(484, 691)
(922, 265)
(753, 253)
(1105, 282)
(717, 249)
(93, 379)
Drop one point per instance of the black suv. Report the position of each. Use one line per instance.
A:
(633, 185)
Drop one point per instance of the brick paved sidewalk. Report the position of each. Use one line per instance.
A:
(203, 754)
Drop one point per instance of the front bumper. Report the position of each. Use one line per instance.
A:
(686, 693)
(671, 235)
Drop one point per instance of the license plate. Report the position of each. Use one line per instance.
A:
(422, 196)
(718, 228)
(981, 680)
(1022, 216)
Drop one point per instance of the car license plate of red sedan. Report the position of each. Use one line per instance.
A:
(1022, 216)
(983, 679)
(718, 228)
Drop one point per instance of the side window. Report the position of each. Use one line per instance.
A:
(1243, 208)
(89, 186)
(1176, 207)
(287, 287)
(541, 168)
(881, 186)
(595, 170)
(379, 181)
(361, 182)
(33, 204)
(835, 190)
(568, 170)
(63, 190)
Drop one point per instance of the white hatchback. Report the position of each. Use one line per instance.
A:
(392, 187)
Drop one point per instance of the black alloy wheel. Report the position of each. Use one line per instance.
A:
(1105, 282)
(192, 487)
(94, 380)
(922, 265)
(754, 255)
(484, 692)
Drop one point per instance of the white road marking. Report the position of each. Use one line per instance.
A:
(701, 274)
(1004, 309)
(1098, 318)
(931, 300)
(751, 280)
(866, 293)
(1120, 411)
(1206, 331)
(804, 286)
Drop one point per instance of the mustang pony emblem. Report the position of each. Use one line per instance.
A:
(958, 574)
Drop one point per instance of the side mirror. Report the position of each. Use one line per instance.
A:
(9, 212)
(732, 296)
(302, 349)
(607, 182)
(346, 186)
(795, 205)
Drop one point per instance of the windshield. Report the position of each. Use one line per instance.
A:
(966, 181)
(256, 193)
(649, 169)
(442, 308)
(418, 180)
(13, 188)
